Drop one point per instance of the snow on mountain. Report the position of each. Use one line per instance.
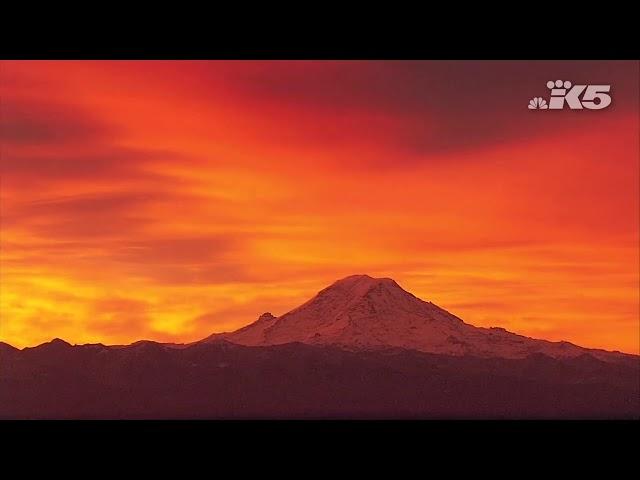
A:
(361, 312)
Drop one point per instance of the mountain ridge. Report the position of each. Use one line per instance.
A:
(298, 381)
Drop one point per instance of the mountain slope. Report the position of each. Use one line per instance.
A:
(361, 312)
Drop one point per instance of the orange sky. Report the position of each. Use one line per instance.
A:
(170, 200)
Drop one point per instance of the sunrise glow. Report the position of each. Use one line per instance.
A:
(171, 200)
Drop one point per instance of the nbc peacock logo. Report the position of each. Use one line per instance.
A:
(538, 103)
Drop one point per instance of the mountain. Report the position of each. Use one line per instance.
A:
(360, 312)
(361, 348)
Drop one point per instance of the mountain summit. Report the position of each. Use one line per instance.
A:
(362, 312)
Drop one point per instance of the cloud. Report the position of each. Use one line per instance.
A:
(103, 216)
(98, 165)
(38, 123)
(116, 317)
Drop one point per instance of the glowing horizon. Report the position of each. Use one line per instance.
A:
(170, 200)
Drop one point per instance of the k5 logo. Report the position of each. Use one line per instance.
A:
(594, 97)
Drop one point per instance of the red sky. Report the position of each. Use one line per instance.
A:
(170, 200)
